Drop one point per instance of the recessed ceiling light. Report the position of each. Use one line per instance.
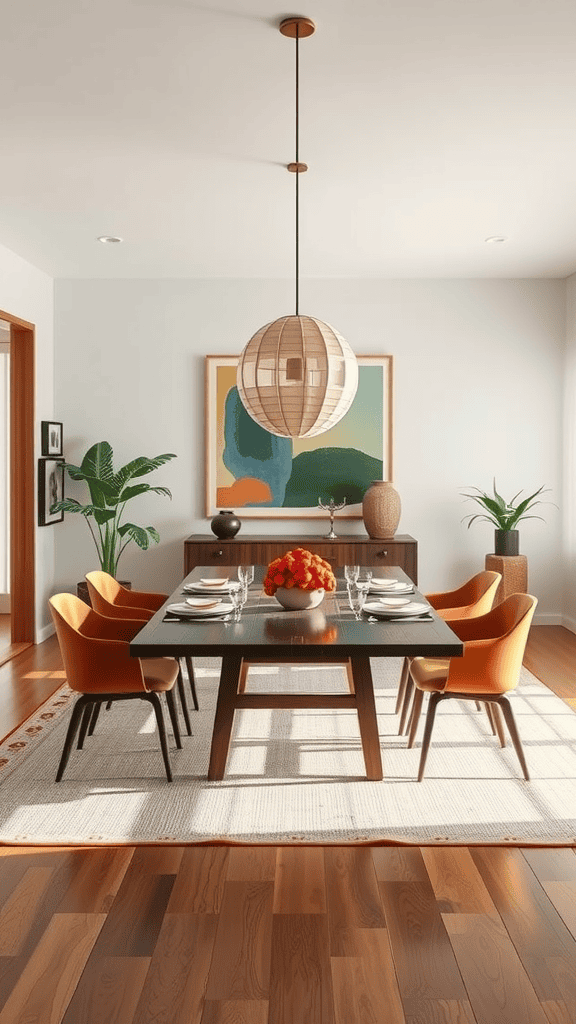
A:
(496, 238)
(109, 239)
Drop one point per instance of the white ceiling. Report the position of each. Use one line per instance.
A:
(428, 125)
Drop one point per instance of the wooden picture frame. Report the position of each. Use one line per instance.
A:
(52, 438)
(261, 476)
(50, 490)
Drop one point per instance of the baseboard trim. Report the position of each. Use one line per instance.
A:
(569, 623)
(545, 619)
(45, 632)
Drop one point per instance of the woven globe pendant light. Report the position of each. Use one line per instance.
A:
(297, 376)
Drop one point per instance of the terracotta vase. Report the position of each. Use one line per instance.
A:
(294, 599)
(381, 509)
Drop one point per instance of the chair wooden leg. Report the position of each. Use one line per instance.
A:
(497, 716)
(192, 681)
(415, 716)
(402, 685)
(86, 719)
(243, 677)
(94, 718)
(350, 676)
(512, 729)
(478, 705)
(174, 717)
(155, 702)
(435, 699)
(490, 713)
(406, 705)
(77, 712)
(183, 704)
(108, 705)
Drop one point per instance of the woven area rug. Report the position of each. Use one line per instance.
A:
(294, 776)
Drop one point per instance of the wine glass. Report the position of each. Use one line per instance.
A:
(364, 577)
(246, 574)
(238, 598)
(356, 598)
(351, 573)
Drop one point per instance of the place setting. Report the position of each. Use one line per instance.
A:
(361, 584)
(213, 605)
(198, 610)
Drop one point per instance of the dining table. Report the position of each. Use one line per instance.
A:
(266, 633)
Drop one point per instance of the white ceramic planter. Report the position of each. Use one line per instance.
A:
(297, 600)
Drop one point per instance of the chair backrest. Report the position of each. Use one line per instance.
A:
(101, 585)
(93, 662)
(494, 647)
(110, 598)
(475, 597)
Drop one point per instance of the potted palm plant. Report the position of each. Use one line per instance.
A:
(110, 491)
(505, 515)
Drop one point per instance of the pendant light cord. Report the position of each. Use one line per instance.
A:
(297, 176)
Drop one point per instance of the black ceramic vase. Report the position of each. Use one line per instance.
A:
(225, 525)
(506, 542)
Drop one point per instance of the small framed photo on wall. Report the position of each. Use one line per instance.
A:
(50, 490)
(51, 438)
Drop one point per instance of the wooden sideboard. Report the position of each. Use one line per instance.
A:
(260, 549)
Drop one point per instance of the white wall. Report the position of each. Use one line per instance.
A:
(478, 393)
(569, 463)
(28, 293)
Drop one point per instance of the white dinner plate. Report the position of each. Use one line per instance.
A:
(185, 611)
(394, 588)
(204, 588)
(412, 608)
(394, 602)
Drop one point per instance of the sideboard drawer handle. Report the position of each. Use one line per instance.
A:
(381, 554)
(218, 554)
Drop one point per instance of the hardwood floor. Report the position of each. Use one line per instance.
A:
(286, 935)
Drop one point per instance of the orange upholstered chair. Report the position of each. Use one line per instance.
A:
(110, 598)
(98, 665)
(475, 597)
(494, 646)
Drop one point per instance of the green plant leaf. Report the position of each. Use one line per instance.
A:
(132, 492)
(103, 515)
(153, 534)
(136, 533)
(67, 505)
(138, 467)
(155, 463)
(97, 463)
(499, 498)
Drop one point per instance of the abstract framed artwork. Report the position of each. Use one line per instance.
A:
(50, 490)
(262, 476)
(51, 438)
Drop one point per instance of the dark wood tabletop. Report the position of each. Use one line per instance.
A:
(266, 633)
(326, 633)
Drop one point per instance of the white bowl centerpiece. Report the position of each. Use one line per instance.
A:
(299, 579)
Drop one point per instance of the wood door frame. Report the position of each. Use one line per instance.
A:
(22, 479)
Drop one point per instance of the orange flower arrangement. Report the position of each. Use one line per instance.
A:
(301, 569)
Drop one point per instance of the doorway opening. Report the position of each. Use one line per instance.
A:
(17, 486)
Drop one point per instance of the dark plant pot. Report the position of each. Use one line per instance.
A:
(506, 542)
(225, 525)
(82, 590)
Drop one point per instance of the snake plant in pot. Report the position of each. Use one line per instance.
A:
(110, 491)
(505, 515)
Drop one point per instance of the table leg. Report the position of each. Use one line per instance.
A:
(224, 719)
(367, 716)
